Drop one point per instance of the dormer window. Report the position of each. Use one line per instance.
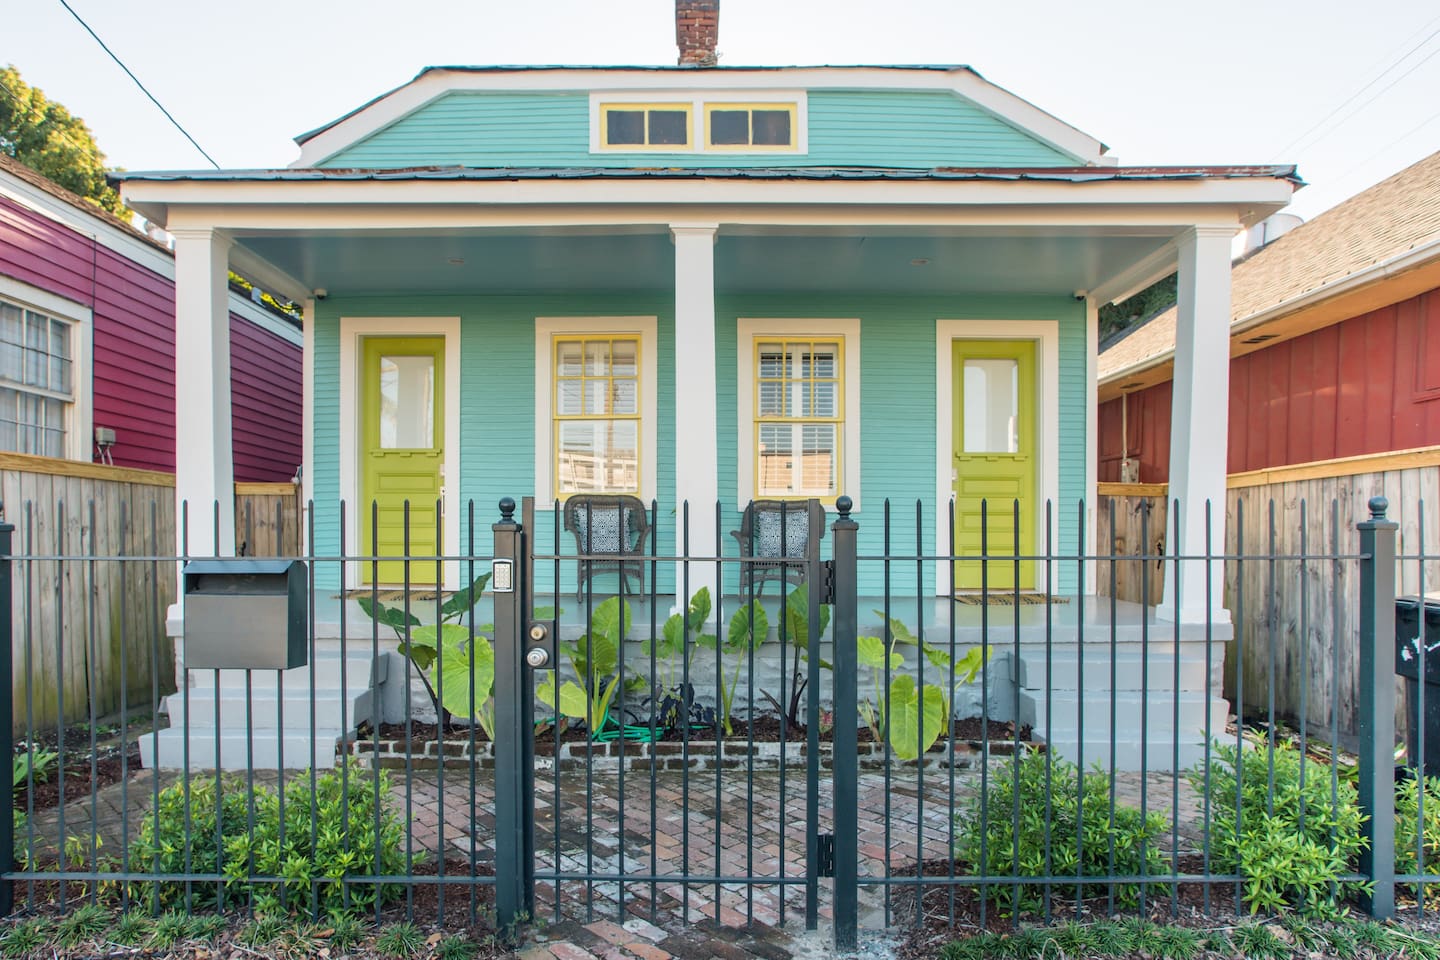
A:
(719, 121)
(646, 126)
(759, 126)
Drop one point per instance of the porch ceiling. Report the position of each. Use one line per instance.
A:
(955, 262)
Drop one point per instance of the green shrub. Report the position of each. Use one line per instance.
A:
(255, 863)
(1407, 831)
(1291, 847)
(1131, 837)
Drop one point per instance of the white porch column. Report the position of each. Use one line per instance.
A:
(204, 465)
(1199, 420)
(696, 465)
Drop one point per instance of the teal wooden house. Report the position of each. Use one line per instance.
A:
(702, 285)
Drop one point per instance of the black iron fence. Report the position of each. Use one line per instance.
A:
(771, 722)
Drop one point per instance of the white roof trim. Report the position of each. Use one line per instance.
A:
(433, 84)
(132, 248)
(106, 234)
(247, 309)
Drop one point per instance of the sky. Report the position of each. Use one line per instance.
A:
(1163, 82)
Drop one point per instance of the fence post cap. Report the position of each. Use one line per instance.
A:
(844, 505)
(507, 509)
(1378, 506)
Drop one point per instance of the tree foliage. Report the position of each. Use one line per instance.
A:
(1115, 317)
(53, 142)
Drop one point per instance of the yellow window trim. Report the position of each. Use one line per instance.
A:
(680, 106)
(789, 107)
(556, 417)
(838, 421)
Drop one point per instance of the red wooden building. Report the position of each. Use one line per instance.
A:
(87, 342)
(1334, 343)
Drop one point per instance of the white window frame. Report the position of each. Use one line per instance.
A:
(79, 414)
(750, 330)
(546, 330)
(696, 101)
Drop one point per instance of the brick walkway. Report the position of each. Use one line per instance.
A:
(736, 834)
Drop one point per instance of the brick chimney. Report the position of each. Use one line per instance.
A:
(697, 27)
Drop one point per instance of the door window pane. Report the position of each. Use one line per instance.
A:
(992, 405)
(407, 403)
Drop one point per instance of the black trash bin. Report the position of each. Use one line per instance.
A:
(1408, 651)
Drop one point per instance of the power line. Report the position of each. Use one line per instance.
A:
(121, 64)
(1374, 80)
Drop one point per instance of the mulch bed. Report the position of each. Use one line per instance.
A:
(941, 922)
(766, 729)
(80, 778)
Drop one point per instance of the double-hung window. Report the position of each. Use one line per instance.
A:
(597, 414)
(799, 414)
(37, 380)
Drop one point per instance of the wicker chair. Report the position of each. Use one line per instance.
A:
(760, 541)
(608, 524)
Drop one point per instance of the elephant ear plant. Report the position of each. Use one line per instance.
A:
(595, 663)
(907, 714)
(462, 655)
(748, 628)
(673, 651)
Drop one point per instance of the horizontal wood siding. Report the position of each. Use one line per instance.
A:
(133, 362)
(1367, 385)
(265, 377)
(897, 399)
(889, 128)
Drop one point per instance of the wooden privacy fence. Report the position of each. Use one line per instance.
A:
(87, 628)
(268, 520)
(1305, 612)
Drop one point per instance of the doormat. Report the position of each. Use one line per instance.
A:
(999, 598)
(417, 595)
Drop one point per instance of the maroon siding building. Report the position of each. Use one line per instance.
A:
(1335, 343)
(101, 297)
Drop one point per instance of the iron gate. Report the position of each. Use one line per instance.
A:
(629, 791)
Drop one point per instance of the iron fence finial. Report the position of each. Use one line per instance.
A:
(844, 505)
(507, 509)
(1378, 506)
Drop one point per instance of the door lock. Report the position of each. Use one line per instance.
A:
(539, 646)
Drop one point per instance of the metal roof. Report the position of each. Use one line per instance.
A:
(1054, 174)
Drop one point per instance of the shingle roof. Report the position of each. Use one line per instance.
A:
(1385, 221)
(41, 182)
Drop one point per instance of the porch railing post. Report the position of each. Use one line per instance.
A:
(511, 723)
(846, 786)
(7, 712)
(1375, 722)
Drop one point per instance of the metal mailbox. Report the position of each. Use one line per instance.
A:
(245, 614)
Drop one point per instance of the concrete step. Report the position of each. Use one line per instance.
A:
(1132, 713)
(1129, 665)
(264, 712)
(1160, 752)
(165, 749)
(359, 669)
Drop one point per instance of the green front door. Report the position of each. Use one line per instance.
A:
(402, 454)
(993, 456)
